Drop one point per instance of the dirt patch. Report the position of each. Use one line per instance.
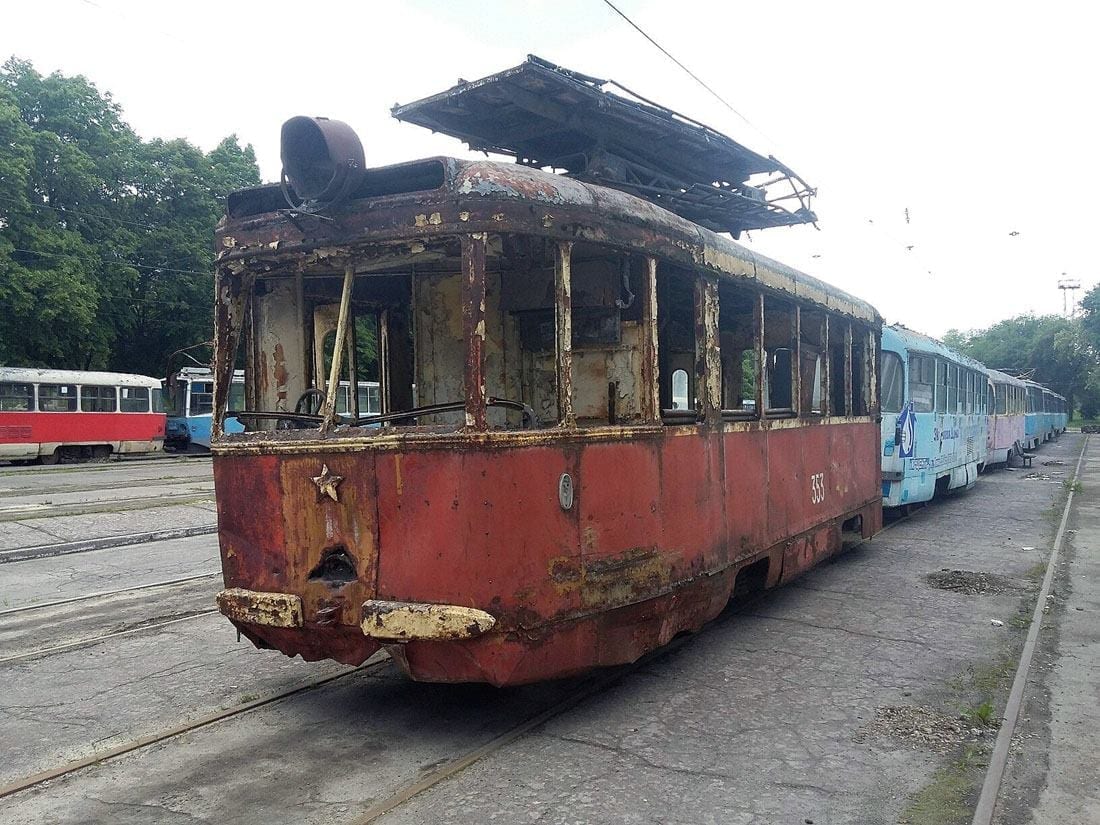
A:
(971, 582)
(921, 727)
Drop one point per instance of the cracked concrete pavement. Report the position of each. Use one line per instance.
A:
(761, 718)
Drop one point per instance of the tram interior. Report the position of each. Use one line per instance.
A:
(405, 333)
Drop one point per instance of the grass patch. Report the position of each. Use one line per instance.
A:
(946, 800)
(1037, 571)
(1072, 486)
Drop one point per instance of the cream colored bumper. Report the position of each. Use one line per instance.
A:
(382, 620)
(254, 607)
(412, 621)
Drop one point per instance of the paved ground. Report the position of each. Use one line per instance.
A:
(856, 695)
(1054, 770)
(64, 503)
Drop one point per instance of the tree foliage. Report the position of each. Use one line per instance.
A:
(1050, 349)
(105, 239)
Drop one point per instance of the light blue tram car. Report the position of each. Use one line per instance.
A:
(1035, 428)
(190, 404)
(1054, 417)
(1060, 414)
(934, 418)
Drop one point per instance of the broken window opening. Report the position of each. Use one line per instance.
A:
(838, 345)
(812, 349)
(780, 354)
(676, 345)
(861, 371)
(738, 334)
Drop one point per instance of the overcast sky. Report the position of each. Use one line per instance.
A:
(978, 118)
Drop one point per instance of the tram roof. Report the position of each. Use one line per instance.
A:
(549, 116)
(440, 197)
(36, 375)
(912, 340)
(999, 377)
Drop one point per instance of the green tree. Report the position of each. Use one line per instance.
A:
(105, 253)
(1049, 349)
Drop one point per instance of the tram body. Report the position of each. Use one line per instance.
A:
(935, 439)
(1006, 434)
(599, 421)
(1035, 417)
(190, 403)
(53, 415)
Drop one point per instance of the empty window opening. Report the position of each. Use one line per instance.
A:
(738, 331)
(861, 373)
(812, 348)
(676, 346)
(838, 367)
(780, 346)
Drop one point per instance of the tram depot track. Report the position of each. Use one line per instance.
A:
(588, 688)
(40, 551)
(104, 593)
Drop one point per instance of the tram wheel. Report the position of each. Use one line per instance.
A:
(100, 453)
(49, 458)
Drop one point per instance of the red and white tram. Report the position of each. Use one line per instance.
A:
(71, 415)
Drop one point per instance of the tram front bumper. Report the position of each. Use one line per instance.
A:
(414, 621)
(382, 620)
(254, 607)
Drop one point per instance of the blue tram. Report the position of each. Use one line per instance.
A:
(190, 403)
(190, 397)
(934, 418)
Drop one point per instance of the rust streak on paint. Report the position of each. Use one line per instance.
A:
(473, 328)
(563, 332)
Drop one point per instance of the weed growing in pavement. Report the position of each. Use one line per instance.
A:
(982, 714)
(249, 697)
(1037, 571)
(1071, 486)
(1020, 621)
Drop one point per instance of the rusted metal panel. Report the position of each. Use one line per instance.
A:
(473, 328)
(651, 409)
(484, 196)
(563, 332)
(653, 540)
(406, 621)
(254, 607)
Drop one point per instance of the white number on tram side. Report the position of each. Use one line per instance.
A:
(817, 488)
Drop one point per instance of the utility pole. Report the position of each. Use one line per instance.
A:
(1068, 285)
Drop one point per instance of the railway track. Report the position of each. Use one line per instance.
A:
(11, 470)
(103, 543)
(75, 599)
(36, 779)
(94, 640)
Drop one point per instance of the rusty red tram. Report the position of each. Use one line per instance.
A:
(599, 421)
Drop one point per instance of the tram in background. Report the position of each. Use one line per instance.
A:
(1054, 415)
(190, 394)
(934, 419)
(189, 402)
(1006, 434)
(600, 420)
(47, 416)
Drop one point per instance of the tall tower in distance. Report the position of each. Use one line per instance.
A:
(1069, 304)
